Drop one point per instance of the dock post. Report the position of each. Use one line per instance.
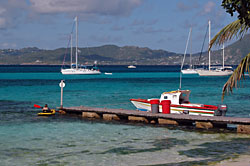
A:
(62, 85)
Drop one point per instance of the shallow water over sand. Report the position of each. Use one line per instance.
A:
(26, 139)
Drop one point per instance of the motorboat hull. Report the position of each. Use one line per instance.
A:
(191, 109)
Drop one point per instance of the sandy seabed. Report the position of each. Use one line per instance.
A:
(243, 160)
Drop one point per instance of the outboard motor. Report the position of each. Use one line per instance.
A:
(221, 111)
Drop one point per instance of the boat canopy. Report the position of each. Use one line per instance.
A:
(176, 97)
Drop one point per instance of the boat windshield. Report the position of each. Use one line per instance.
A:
(184, 97)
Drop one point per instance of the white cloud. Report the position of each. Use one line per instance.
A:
(17, 12)
(8, 45)
(117, 28)
(106, 39)
(97, 7)
(11, 12)
(2, 10)
(2, 18)
(2, 22)
(208, 8)
(187, 6)
(151, 30)
(138, 22)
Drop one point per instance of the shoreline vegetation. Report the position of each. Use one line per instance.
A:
(33, 64)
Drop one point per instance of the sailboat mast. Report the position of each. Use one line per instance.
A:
(209, 35)
(223, 54)
(71, 50)
(76, 42)
(183, 60)
(191, 49)
(189, 34)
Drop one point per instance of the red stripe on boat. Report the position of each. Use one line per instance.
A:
(206, 107)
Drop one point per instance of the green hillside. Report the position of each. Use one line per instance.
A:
(112, 54)
(233, 53)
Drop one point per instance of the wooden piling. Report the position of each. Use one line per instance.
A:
(203, 125)
(62, 112)
(243, 129)
(167, 122)
(92, 115)
(138, 119)
(110, 117)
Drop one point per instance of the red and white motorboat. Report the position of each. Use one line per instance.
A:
(180, 105)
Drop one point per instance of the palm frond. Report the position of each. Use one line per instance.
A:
(237, 75)
(234, 29)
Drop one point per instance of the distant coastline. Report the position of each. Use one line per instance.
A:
(126, 55)
(57, 65)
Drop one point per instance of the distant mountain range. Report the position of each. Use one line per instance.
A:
(114, 55)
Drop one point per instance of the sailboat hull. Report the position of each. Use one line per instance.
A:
(80, 71)
(214, 73)
(189, 71)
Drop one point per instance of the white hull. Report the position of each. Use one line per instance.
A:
(79, 71)
(174, 110)
(214, 73)
(189, 71)
(131, 67)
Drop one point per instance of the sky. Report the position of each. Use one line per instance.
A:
(156, 24)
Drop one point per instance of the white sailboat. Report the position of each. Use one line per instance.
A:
(190, 70)
(131, 67)
(215, 71)
(76, 69)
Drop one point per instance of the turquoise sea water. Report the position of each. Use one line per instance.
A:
(26, 139)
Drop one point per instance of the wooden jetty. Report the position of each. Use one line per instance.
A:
(204, 122)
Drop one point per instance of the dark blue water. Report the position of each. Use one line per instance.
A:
(26, 139)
